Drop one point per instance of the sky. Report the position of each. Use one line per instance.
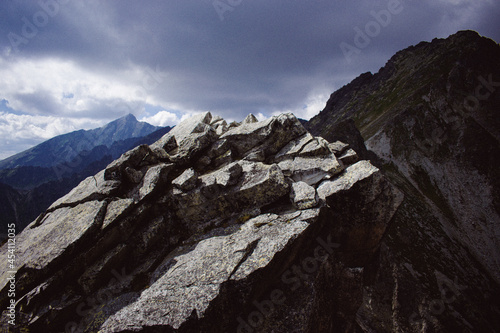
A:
(72, 64)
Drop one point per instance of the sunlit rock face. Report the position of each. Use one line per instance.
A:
(257, 226)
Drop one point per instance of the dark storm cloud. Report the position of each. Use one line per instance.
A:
(230, 57)
(39, 100)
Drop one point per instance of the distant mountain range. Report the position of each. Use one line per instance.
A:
(64, 148)
(31, 180)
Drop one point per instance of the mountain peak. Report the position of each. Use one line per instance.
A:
(130, 117)
(413, 71)
(49, 153)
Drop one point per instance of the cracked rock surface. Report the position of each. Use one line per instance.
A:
(213, 228)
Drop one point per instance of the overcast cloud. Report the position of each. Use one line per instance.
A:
(66, 65)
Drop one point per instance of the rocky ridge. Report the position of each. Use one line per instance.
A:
(216, 227)
(429, 119)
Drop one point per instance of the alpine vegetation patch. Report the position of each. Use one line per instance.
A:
(363, 37)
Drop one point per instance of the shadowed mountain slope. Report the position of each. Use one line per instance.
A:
(430, 119)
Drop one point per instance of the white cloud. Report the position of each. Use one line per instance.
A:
(57, 87)
(261, 117)
(56, 97)
(163, 118)
(314, 104)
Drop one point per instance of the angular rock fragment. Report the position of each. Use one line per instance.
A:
(191, 135)
(220, 153)
(115, 210)
(293, 148)
(349, 157)
(316, 147)
(255, 155)
(155, 176)
(303, 196)
(311, 170)
(271, 134)
(169, 144)
(183, 130)
(162, 154)
(218, 148)
(338, 147)
(135, 159)
(227, 176)
(187, 180)
(216, 119)
(234, 124)
(347, 179)
(91, 188)
(220, 127)
(238, 186)
(192, 145)
(261, 184)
